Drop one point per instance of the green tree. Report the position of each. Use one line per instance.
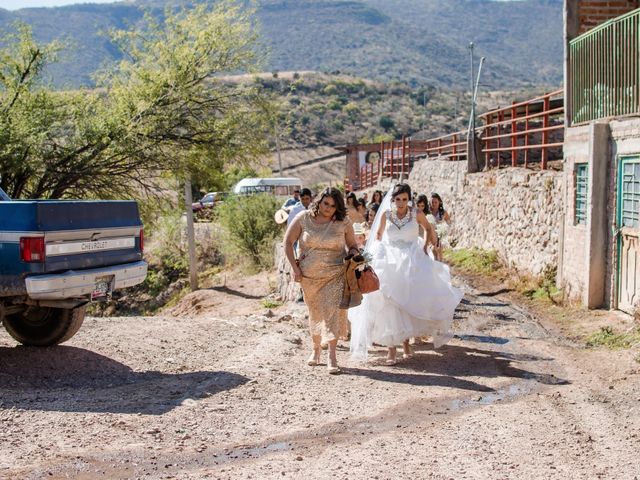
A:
(386, 122)
(161, 110)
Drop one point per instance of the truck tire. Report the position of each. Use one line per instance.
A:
(45, 326)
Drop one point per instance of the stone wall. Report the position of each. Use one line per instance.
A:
(287, 289)
(515, 211)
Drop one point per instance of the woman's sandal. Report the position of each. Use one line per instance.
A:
(332, 368)
(408, 352)
(314, 359)
(391, 360)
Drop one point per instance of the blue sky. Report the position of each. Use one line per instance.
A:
(16, 4)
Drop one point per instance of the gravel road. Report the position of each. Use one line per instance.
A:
(218, 388)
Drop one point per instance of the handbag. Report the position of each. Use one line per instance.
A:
(368, 281)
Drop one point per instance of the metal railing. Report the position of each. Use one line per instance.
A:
(604, 70)
(452, 146)
(528, 134)
(395, 161)
(523, 133)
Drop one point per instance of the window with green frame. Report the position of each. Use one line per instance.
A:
(582, 185)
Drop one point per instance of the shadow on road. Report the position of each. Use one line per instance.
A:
(418, 379)
(444, 366)
(70, 379)
(237, 293)
(496, 292)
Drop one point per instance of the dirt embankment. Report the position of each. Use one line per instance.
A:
(218, 388)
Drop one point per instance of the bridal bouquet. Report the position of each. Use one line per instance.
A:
(442, 231)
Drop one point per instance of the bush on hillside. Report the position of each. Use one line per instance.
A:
(250, 228)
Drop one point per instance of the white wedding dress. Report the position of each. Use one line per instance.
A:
(416, 297)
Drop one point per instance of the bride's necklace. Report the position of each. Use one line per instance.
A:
(397, 221)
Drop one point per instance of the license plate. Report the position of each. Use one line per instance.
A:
(103, 288)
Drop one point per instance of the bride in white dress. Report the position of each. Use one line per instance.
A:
(416, 297)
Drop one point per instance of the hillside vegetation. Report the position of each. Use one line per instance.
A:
(321, 109)
(420, 42)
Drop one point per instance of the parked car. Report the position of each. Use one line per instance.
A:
(208, 201)
(57, 256)
(205, 202)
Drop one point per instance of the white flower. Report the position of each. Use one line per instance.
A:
(442, 229)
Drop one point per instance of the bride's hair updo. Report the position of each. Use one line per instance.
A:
(401, 188)
(341, 210)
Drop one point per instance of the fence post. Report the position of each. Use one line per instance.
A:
(545, 133)
(487, 143)
(514, 138)
(455, 147)
(498, 140)
(381, 161)
(404, 153)
(526, 136)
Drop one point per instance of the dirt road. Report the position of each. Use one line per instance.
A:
(217, 389)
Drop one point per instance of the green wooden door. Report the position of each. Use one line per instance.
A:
(628, 221)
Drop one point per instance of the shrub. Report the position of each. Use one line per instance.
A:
(387, 122)
(330, 90)
(607, 337)
(334, 104)
(250, 228)
(167, 248)
(474, 260)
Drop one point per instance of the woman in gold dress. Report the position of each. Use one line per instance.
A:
(325, 236)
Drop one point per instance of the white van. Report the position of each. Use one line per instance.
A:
(280, 186)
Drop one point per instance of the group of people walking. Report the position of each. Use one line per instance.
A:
(415, 298)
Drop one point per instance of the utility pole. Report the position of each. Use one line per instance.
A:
(193, 267)
(473, 104)
(472, 156)
(278, 150)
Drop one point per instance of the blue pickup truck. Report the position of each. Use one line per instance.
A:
(57, 256)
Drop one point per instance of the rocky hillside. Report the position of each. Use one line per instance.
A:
(420, 42)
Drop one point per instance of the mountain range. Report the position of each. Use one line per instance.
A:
(418, 42)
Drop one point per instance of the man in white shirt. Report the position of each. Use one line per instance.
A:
(302, 205)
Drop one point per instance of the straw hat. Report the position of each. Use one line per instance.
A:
(358, 229)
(281, 216)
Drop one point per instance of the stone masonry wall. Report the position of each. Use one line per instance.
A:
(515, 211)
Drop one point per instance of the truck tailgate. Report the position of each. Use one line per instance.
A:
(89, 234)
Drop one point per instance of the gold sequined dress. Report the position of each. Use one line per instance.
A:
(322, 250)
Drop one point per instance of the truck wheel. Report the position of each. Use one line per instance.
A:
(44, 326)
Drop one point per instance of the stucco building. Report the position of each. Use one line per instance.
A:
(599, 260)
